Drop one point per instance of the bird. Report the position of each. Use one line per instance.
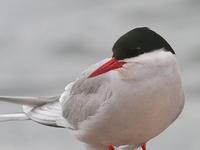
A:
(124, 100)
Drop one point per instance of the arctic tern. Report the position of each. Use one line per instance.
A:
(124, 100)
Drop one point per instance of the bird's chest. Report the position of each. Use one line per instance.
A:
(142, 108)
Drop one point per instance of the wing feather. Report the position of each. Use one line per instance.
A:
(85, 96)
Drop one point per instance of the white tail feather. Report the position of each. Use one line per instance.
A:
(44, 110)
(13, 117)
(29, 100)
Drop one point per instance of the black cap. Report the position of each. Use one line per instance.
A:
(139, 41)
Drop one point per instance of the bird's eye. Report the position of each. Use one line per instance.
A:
(138, 48)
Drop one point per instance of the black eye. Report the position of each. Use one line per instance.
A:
(138, 48)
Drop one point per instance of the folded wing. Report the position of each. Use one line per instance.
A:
(84, 97)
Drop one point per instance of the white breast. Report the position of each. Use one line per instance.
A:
(146, 98)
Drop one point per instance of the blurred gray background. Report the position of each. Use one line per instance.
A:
(45, 44)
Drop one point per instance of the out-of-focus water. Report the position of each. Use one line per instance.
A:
(46, 44)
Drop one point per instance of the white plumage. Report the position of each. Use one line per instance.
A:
(119, 107)
(124, 101)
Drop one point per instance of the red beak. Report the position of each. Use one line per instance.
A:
(108, 66)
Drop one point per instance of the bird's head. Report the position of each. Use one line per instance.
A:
(132, 44)
(139, 41)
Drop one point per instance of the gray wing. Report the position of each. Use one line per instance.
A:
(85, 96)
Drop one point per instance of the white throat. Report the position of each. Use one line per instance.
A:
(148, 64)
